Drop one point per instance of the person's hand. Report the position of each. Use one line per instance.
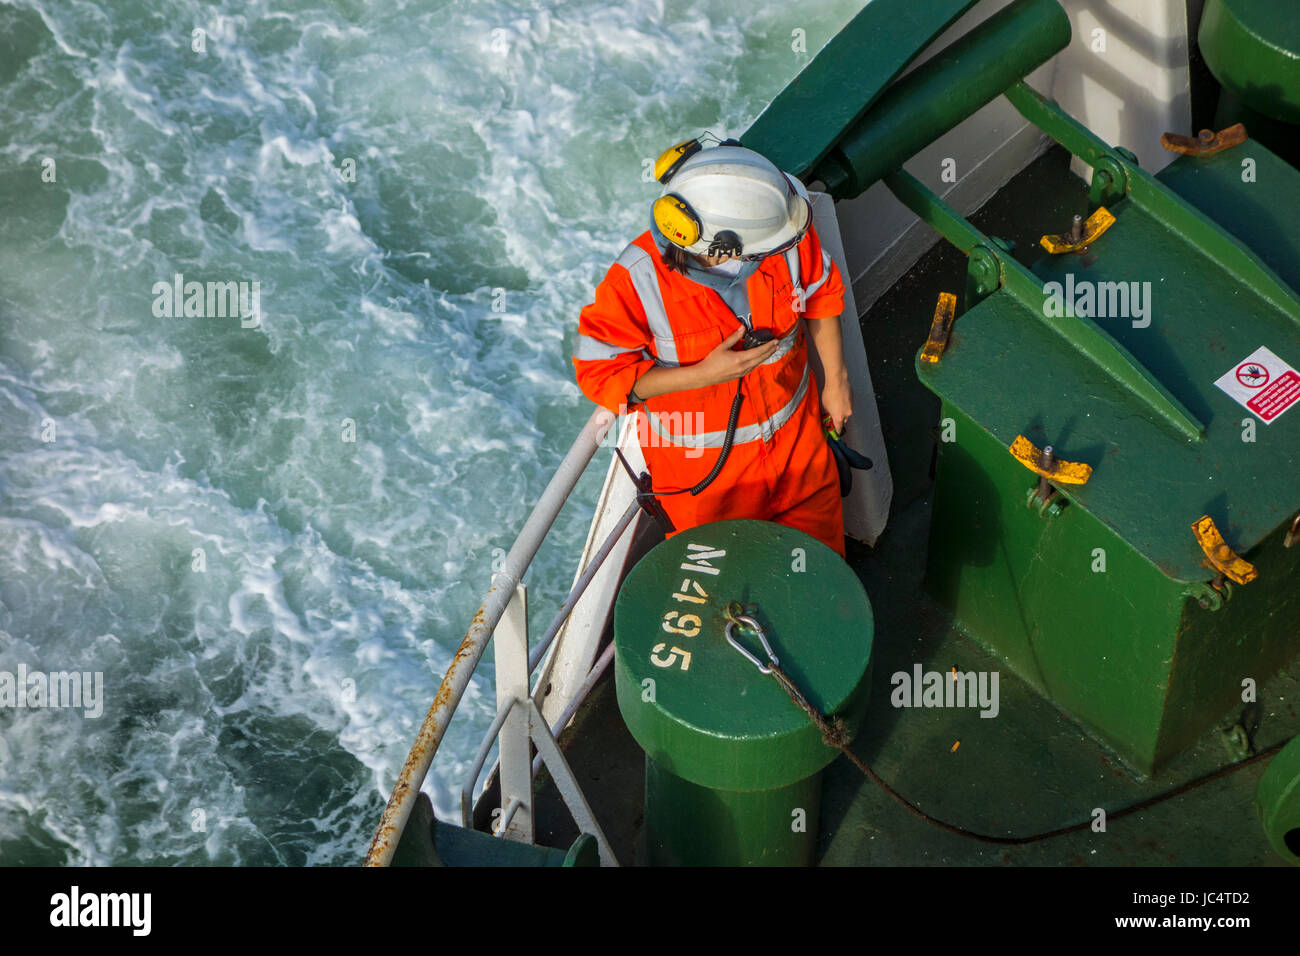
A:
(837, 401)
(724, 365)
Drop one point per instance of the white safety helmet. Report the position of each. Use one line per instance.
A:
(729, 199)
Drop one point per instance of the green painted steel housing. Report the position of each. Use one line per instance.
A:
(733, 766)
(1109, 606)
(1147, 653)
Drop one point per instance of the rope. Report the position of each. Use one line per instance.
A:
(835, 734)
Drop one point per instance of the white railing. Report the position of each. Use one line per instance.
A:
(519, 719)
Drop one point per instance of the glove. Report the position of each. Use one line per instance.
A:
(846, 459)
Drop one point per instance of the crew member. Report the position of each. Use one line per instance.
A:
(706, 302)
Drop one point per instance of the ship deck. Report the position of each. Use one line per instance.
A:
(1030, 770)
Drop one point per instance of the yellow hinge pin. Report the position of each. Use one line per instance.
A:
(940, 327)
(1221, 557)
(1206, 143)
(1083, 233)
(1044, 464)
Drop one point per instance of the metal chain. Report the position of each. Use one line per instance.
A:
(835, 734)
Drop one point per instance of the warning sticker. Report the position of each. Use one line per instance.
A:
(1263, 383)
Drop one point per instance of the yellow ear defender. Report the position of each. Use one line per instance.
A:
(676, 220)
(670, 160)
(673, 214)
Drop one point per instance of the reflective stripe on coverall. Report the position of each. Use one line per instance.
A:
(781, 467)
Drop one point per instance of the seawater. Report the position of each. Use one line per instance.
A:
(269, 536)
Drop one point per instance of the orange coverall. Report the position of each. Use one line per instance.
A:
(646, 314)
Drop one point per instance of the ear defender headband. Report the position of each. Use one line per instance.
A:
(671, 159)
(674, 215)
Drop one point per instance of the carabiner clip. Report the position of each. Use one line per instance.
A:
(754, 626)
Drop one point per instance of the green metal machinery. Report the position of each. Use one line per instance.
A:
(1103, 594)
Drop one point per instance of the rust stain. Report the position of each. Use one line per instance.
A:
(426, 740)
(1206, 142)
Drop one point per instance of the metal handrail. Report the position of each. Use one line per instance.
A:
(489, 738)
(579, 586)
(476, 768)
(597, 670)
(538, 652)
(509, 814)
(457, 677)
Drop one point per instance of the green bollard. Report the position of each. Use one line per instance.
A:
(1277, 798)
(690, 825)
(733, 766)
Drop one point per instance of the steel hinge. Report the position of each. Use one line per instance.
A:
(1049, 468)
(1045, 464)
(1219, 556)
(1206, 143)
(1208, 597)
(940, 327)
(1082, 233)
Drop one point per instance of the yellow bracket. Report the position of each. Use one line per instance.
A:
(1061, 472)
(1097, 223)
(1222, 558)
(940, 327)
(1206, 143)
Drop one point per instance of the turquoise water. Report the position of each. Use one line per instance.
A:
(270, 532)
